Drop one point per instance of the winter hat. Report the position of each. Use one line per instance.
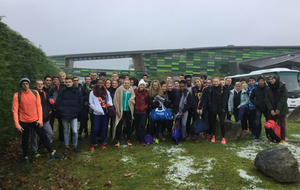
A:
(142, 82)
(23, 79)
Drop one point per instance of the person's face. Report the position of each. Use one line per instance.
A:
(145, 78)
(228, 81)
(251, 81)
(142, 86)
(127, 77)
(55, 81)
(261, 83)
(100, 84)
(242, 82)
(102, 77)
(164, 87)
(155, 86)
(244, 86)
(208, 83)
(216, 82)
(115, 84)
(121, 81)
(131, 83)
(176, 84)
(198, 83)
(182, 87)
(170, 87)
(48, 81)
(238, 87)
(69, 83)
(39, 85)
(76, 81)
(222, 82)
(188, 81)
(126, 84)
(88, 80)
(62, 77)
(25, 86)
(94, 76)
(114, 77)
(108, 84)
(181, 77)
(147, 84)
(272, 80)
(169, 79)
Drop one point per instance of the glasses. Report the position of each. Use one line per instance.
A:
(75, 80)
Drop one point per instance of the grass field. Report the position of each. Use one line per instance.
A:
(190, 165)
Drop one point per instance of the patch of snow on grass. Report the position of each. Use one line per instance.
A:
(295, 150)
(249, 152)
(154, 164)
(243, 174)
(128, 159)
(296, 136)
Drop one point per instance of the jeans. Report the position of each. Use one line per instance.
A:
(100, 124)
(74, 128)
(252, 117)
(140, 126)
(39, 131)
(258, 122)
(34, 136)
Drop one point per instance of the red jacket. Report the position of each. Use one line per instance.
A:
(141, 101)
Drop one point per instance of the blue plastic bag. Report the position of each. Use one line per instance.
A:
(161, 114)
(176, 132)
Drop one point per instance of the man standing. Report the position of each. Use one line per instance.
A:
(27, 113)
(62, 77)
(94, 79)
(252, 109)
(47, 87)
(258, 98)
(114, 76)
(228, 87)
(102, 76)
(69, 103)
(189, 86)
(276, 99)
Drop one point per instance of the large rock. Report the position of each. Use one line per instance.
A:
(233, 130)
(295, 115)
(279, 163)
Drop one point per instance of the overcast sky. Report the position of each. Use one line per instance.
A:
(76, 26)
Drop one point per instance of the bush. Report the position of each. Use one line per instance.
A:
(18, 57)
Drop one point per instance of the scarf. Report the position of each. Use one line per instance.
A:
(99, 92)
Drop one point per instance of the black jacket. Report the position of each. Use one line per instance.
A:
(217, 99)
(85, 96)
(45, 105)
(69, 102)
(278, 99)
(258, 98)
(49, 91)
(196, 93)
(171, 96)
(177, 101)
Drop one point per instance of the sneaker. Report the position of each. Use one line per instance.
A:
(187, 138)
(117, 144)
(252, 136)
(102, 146)
(198, 139)
(239, 122)
(203, 136)
(213, 140)
(26, 161)
(223, 141)
(66, 151)
(77, 150)
(55, 157)
(244, 131)
(36, 154)
(80, 139)
(208, 137)
(143, 144)
(129, 143)
(162, 139)
(282, 141)
(92, 147)
(156, 141)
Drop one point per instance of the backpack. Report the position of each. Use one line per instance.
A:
(273, 131)
(148, 139)
(20, 94)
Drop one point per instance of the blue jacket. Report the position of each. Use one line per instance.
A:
(244, 99)
(69, 102)
(250, 88)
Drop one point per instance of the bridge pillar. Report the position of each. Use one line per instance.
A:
(69, 63)
(137, 62)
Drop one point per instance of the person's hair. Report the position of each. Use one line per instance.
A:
(169, 82)
(182, 82)
(222, 79)
(152, 92)
(169, 76)
(113, 73)
(181, 75)
(69, 78)
(176, 81)
(127, 75)
(252, 77)
(38, 81)
(62, 73)
(54, 77)
(243, 79)
(209, 79)
(199, 79)
(204, 76)
(47, 76)
(87, 76)
(163, 82)
(102, 74)
(187, 76)
(126, 80)
(238, 84)
(122, 77)
(145, 75)
(228, 78)
(75, 77)
(216, 78)
(135, 81)
(260, 78)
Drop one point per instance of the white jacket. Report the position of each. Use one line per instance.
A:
(95, 104)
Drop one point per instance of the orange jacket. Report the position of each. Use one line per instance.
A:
(30, 108)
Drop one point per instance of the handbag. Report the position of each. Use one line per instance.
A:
(111, 111)
(199, 126)
(161, 114)
(176, 132)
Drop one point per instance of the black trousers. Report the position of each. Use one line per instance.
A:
(189, 120)
(222, 123)
(56, 114)
(39, 131)
(127, 116)
(83, 119)
(140, 126)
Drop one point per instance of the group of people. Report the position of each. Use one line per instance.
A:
(124, 103)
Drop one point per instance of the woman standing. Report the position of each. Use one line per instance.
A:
(124, 101)
(99, 100)
(155, 126)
